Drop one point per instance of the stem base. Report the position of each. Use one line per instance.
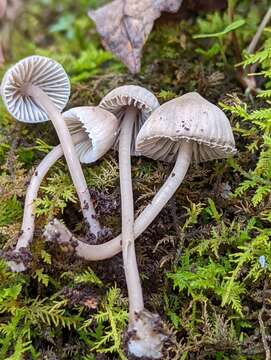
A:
(146, 335)
(19, 259)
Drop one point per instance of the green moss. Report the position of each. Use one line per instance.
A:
(10, 210)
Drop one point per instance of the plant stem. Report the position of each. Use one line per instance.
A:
(222, 50)
(43, 100)
(112, 247)
(234, 39)
(127, 214)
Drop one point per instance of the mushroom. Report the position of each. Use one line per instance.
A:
(133, 104)
(37, 89)
(181, 130)
(93, 131)
(184, 129)
(186, 122)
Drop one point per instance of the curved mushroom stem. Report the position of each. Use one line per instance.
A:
(28, 224)
(43, 100)
(112, 247)
(146, 335)
(127, 214)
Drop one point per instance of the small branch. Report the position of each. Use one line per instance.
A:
(249, 82)
(262, 327)
(253, 44)
(263, 334)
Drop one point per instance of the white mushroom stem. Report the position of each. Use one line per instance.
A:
(146, 337)
(43, 100)
(127, 214)
(28, 224)
(112, 247)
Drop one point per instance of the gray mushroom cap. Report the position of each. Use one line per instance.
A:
(43, 72)
(187, 118)
(117, 101)
(100, 127)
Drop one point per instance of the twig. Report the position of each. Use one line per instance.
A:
(263, 334)
(262, 327)
(252, 46)
(249, 82)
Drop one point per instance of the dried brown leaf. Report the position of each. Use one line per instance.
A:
(124, 26)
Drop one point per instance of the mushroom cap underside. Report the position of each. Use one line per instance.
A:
(40, 71)
(101, 129)
(117, 101)
(188, 118)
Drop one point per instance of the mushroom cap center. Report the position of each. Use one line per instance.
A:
(187, 118)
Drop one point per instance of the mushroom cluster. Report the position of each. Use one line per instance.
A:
(130, 119)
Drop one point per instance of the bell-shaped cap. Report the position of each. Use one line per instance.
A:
(100, 127)
(187, 118)
(117, 101)
(43, 72)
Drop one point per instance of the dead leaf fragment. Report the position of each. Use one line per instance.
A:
(124, 26)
